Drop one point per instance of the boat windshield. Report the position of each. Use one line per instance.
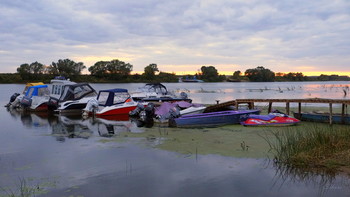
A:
(112, 98)
(75, 92)
(157, 88)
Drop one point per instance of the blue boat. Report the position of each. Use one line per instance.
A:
(323, 117)
(212, 119)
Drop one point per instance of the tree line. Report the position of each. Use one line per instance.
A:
(119, 71)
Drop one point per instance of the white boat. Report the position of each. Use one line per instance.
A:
(36, 98)
(75, 97)
(111, 102)
(157, 92)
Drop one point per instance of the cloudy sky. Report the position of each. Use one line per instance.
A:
(179, 36)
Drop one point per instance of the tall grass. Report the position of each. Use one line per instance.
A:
(315, 145)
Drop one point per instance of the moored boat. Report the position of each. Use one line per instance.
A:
(271, 119)
(36, 98)
(112, 102)
(157, 92)
(75, 97)
(323, 117)
(211, 119)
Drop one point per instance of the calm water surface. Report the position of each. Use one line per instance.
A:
(64, 156)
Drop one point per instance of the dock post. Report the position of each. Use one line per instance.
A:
(330, 114)
(270, 106)
(287, 108)
(299, 108)
(343, 113)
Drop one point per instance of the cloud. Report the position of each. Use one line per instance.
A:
(199, 32)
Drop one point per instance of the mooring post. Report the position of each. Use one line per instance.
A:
(299, 107)
(343, 113)
(270, 106)
(330, 114)
(287, 108)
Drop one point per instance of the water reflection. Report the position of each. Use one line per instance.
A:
(325, 180)
(63, 127)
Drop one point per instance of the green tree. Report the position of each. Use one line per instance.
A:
(66, 68)
(119, 67)
(260, 74)
(150, 70)
(31, 71)
(99, 69)
(210, 74)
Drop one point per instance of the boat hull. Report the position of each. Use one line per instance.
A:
(212, 119)
(112, 111)
(275, 121)
(320, 117)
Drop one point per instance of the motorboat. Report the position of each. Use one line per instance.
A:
(75, 97)
(15, 99)
(111, 102)
(36, 98)
(157, 92)
(271, 119)
(319, 116)
(211, 119)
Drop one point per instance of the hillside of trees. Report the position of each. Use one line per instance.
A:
(116, 71)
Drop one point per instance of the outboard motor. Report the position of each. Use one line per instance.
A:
(137, 110)
(52, 103)
(26, 102)
(12, 99)
(148, 115)
(183, 95)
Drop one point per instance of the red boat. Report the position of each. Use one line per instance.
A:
(272, 119)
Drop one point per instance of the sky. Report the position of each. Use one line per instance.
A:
(312, 37)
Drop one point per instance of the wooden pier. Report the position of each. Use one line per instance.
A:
(251, 104)
(330, 102)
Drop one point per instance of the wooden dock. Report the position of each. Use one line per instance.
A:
(251, 104)
(330, 102)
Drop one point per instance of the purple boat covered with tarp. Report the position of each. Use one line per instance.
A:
(212, 119)
(176, 109)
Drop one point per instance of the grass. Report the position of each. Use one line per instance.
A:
(312, 146)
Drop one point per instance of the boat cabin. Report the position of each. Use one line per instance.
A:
(56, 86)
(76, 91)
(38, 90)
(113, 96)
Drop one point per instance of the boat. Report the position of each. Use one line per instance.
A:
(36, 98)
(15, 99)
(190, 80)
(179, 108)
(323, 117)
(157, 92)
(111, 102)
(74, 98)
(211, 119)
(271, 119)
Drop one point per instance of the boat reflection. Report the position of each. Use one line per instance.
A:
(63, 127)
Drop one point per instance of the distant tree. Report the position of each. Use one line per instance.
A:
(237, 74)
(114, 69)
(260, 74)
(66, 68)
(150, 70)
(31, 71)
(99, 69)
(210, 74)
(119, 67)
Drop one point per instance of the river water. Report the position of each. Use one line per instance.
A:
(66, 156)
